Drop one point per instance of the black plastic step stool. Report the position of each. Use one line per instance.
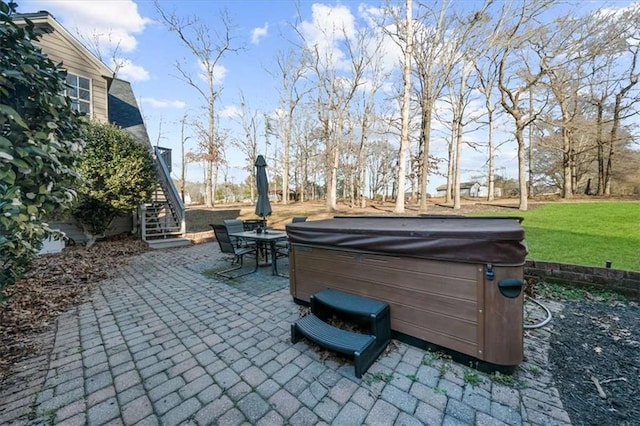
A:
(365, 348)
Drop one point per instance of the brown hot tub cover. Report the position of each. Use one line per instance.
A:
(462, 239)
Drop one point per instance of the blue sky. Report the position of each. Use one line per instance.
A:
(259, 26)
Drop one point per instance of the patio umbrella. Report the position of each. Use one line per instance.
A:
(263, 206)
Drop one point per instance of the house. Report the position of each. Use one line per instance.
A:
(94, 90)
(467, 189)
(484, 191)
(471, 190)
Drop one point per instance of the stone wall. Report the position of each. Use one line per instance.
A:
(623, 282)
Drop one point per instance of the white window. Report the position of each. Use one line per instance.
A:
(79, 91)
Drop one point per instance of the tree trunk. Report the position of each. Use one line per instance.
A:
(406, 99)
(492, 166)
(214, 184)
(458, 145)
(451, 168)
(423, 151)
(361, 185)
(600, 145)
(332, 200)
(530, 150)
(522, 172)
(208, 202)
(567, 191)
(285, 162)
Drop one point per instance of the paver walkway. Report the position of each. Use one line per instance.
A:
(164, 344)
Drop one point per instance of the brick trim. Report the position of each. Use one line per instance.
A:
(623, 282)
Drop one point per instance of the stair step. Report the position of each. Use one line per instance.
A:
(162, 226)
(356, 309)
(365, 348)
(160, 233)
(168, 243)
(360, 346)
(350, 303)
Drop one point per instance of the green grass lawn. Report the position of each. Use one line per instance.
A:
(584, 233)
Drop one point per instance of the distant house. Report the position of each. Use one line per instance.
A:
(471, 190)
(484, 191)
(467, 189)
(94, 90)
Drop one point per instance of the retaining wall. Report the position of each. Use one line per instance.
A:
(623, 282)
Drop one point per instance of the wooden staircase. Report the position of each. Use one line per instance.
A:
(162, 220)
(369, 314)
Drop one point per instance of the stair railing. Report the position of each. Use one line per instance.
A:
(175, 203)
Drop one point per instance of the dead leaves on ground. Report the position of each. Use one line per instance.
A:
(54, 283)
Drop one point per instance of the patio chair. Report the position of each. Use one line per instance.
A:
(227, 246)
(235, 225)
(253, 224)
(283, 246)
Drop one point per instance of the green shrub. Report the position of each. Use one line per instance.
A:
(39, 145)
(118, 173)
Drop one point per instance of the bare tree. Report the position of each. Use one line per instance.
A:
(248, 145)
(406, 104)
(183, 163)
(485, 62)
(365, 56)
(613, 72)
(459, 106)
(208, 47)
(622, 89)
(560, 51)
(93, 42)
(291, 68)
(334, 92)
(516, 76)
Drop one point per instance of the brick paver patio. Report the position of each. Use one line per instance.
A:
(165, 344)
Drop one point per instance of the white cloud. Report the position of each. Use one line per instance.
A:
(111, 23)
(230, 111)
(132, 72)
(331, 22)
(219, 72)
(327, 28)
(163, 103)
(259, 33)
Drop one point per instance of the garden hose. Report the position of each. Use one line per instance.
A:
(543, 322)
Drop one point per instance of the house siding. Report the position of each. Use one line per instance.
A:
(59, 50)
(73, 229)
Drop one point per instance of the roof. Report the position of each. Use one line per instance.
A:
(124, 111)
(463, 185)
(45, 22)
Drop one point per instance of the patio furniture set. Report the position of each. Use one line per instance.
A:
(251, 237)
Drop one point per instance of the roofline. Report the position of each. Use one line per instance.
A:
(44, 18)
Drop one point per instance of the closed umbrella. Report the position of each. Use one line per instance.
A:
(263, 206)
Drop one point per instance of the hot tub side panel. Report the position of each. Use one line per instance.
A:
(502, 333)
(436, 301)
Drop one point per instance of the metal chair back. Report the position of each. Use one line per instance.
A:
(234, 225)
(222, 236)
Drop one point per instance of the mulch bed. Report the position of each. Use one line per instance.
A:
(597, 343)
(54, 283)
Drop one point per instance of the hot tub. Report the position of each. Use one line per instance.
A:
(451, 281)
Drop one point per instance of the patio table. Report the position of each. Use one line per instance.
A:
(269, 236)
